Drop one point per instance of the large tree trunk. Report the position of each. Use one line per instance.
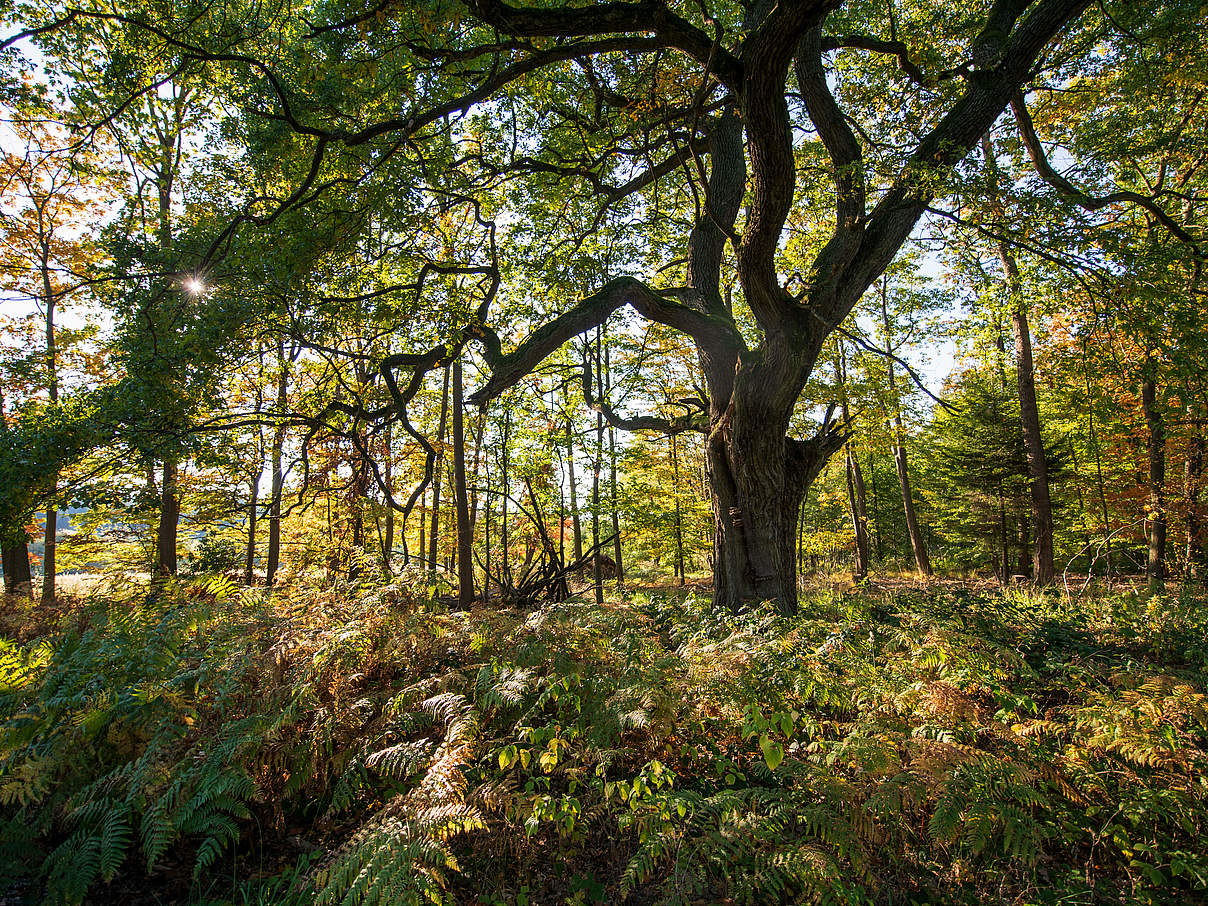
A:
(1155, 571)
(465, 529)
(759, 478)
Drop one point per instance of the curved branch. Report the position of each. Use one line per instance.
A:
(892, 48)
(689, 422)
(767, 54)
(846, 158)
(1084, 200)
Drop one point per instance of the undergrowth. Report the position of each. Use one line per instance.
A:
(214, 746)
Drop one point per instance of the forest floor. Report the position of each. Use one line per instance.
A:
(898, 742)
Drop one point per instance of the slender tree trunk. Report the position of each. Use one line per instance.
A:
(273, 554)
(1038, 470)
(597, 464)
(359, 498)
(486, 533)
(1197, 562)
(505, 566)
(1155, 571)
(561, 519)
(1094, 442)
(917, 543)
(478, 433)
(51, 534)
(855, 481)
(576, 522)
(434, 538)
(1023, 531)
(612, 482)
(465, 530)
(679, 517)
(878, 535)
(253, 506)
(1005, 559)
(388, 478)
(169, 520)
(169, 503)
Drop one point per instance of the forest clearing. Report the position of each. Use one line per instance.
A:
(644, 451)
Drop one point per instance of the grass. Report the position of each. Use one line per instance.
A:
(924, 744)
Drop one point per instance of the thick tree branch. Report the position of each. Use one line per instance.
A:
(709, 331)
(989, 92)
(648, 16)
(846, 158)
(766, 56)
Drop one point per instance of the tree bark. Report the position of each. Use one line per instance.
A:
(597, 464)
(505, 565)
(14, 549)
(388, 478)
(1155, 571)
(1197, 561)
(1033, 442)
(169, 503)
(249, 559)
(273, 554)
(169, 520)
(612, 483)
(51, 533)
(18, 579)
(437, 471)
(1038, 468)
(465, 530)
(1095, 445)
(679, 517)
(855, 480)
(253, 507)
(576, 522)
(917, 543)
